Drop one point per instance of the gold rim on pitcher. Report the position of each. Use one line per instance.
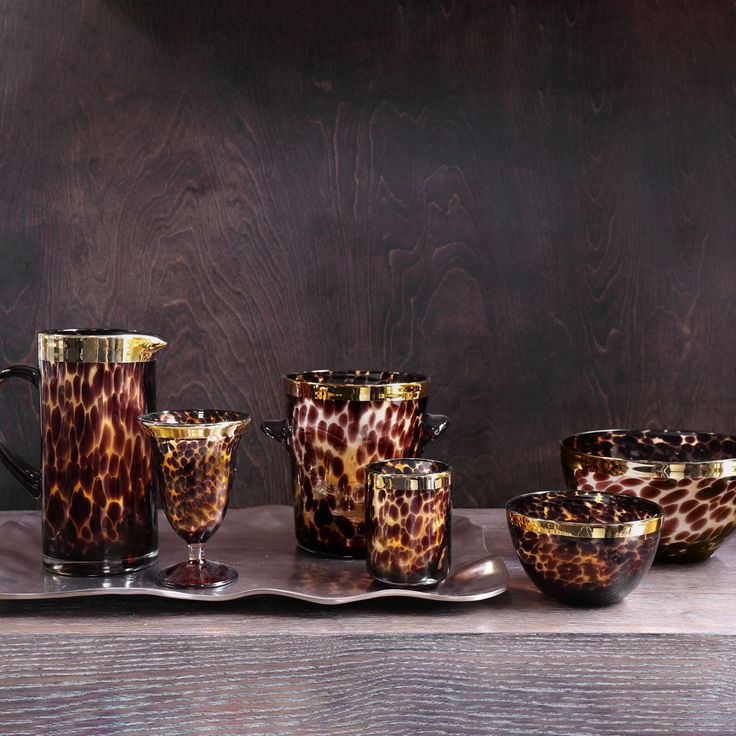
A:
(531, 522)
(98, 346)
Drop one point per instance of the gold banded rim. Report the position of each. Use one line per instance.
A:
(677, 469)
(409, 474)
(98, 346)
(650, 524)
(194, 423)
(355, 385)
(586, 531)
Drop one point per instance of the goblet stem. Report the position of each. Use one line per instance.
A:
(196, 553)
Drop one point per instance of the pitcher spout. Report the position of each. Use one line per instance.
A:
(150, 345)
(98, 346)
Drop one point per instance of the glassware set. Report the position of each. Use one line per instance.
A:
(360, 487)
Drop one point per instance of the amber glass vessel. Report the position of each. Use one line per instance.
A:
(584, 549)
(408, 520)
(99, 514)
(194, 459)
(340, 422)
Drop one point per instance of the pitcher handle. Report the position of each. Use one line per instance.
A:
(29, 477)
(277, 429)
(433, 425)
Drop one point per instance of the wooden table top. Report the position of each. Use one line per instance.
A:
(661, 662)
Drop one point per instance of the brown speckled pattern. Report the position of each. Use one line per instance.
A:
(579, 570)
(99, 503)
(700, 512)
(195, 476)
(332, 442)
(407, 531)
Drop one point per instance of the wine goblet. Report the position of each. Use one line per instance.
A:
(194, 459)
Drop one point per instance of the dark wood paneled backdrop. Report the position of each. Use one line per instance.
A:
(533, 202)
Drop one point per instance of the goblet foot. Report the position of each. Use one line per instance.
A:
(197, 574)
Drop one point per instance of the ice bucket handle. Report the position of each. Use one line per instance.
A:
(277, 429)
(433, 425)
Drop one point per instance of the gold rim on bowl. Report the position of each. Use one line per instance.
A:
(677, 470)
(588, 530)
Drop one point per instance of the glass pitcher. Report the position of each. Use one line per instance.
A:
(96, 483)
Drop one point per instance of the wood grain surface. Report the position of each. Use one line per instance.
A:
(661, 662)
(446, 684)
(530, 201)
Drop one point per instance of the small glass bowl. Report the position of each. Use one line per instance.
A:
(585, 549)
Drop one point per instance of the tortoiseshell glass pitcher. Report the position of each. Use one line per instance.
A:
(96, 483)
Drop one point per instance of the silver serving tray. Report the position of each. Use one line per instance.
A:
(259, 543)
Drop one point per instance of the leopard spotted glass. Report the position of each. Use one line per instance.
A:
(194, 459)
(408, 517)
(691, 474)
(340, 422)
(95, 483)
